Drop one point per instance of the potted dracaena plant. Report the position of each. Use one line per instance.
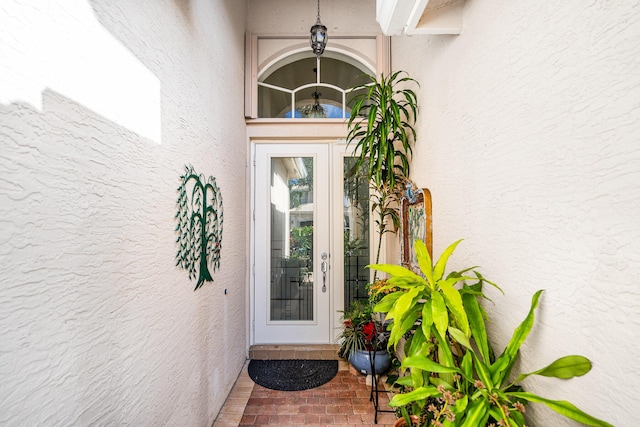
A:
(381, 126)
(452, 375)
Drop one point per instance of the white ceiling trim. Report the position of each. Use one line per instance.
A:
(414, 17)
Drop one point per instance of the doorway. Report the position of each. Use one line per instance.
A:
(311, 234)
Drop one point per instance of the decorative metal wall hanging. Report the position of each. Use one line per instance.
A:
(200, 219)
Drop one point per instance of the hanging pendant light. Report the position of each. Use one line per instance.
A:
(318, 36)
(317, 110)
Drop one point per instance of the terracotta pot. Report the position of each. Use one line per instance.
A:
(400, 422)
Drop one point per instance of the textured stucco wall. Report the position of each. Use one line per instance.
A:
(97, 325)
(529, 141)
(297, 17)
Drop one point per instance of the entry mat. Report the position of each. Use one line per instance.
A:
(292, 375)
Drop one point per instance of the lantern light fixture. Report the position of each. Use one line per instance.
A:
(318, 36)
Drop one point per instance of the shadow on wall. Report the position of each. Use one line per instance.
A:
(85, 239)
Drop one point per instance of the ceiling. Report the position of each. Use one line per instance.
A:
(420, 16)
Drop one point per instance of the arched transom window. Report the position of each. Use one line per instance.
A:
(293, 84)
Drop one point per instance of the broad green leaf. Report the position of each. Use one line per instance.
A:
(395, 270)
(385, 304)
(408, 321)
(417, 377)
(454, 302)
(461, 404)
(429, 365)
(405, 381)
(564, 408)
(438, 270)
(500, 369)
(504, 363)
(517, 419)
(439, 313)
(477, 325)
(404, 303)
(404, 282)
(484, 374)
(445, 356)
(439, 381)
(460, 337)
(467, 366)
(522, 331)
(396, 334)
(565, 367)
(419, 393)
(416, 345)
(477, 414)
(424, 261)
(427, 318)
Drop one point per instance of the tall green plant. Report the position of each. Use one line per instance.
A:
(429, 311)
(432, 298)
(384, 136)
(453, 376)
(381, 125)
(482, 392)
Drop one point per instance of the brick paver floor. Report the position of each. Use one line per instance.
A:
(343, 401)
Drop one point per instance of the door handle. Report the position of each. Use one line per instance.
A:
(323, 268)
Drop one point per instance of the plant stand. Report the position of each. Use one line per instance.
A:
(375, 391)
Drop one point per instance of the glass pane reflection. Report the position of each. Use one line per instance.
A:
(292, 217)
(356, 232)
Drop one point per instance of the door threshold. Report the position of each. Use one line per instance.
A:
(294, 351)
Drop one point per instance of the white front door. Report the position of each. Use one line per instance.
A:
(292, 282)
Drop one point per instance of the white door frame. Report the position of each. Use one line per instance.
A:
(337, 150)
(317, 330)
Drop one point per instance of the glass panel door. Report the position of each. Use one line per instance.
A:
(292, 211)
(292, 281)
(355, 231)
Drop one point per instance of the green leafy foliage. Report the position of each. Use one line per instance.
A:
(381, 124)
(381, 127)
(451, 374)
(361, 330)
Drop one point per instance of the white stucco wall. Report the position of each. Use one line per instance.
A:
(529, 141)
(297, 17)
(102, 103)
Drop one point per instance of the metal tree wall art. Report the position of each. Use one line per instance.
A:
(200, 218)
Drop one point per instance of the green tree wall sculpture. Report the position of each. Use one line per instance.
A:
(200, 218)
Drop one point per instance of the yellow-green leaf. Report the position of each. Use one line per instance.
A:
(476, 324)
(420, 393)
(428, 365)
(564, 408)
(424, 261)
(395, 270)
(477, 414)
(439, 313)
(427, 318)
(454, 302)
(438, 270)
(565, 367)
(459, 336)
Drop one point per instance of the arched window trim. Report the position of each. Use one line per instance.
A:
(337, 50)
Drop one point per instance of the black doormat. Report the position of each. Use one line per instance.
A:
(292, 375)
